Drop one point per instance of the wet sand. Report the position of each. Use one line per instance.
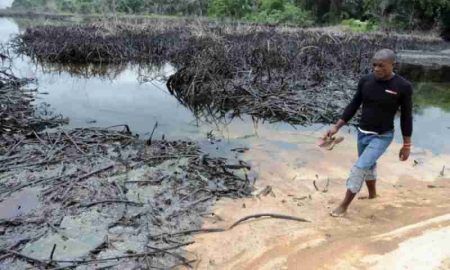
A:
(406, 227)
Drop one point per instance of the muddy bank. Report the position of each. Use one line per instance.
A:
(103, 194)
(17, 115)
(100, 197)
(413, 199)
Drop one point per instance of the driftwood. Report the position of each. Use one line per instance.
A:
(240, 221)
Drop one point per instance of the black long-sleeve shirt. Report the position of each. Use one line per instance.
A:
(380, 101)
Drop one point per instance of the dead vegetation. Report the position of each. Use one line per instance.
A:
(85, 197)
(293, 75)
(100, 197)
(115, 189)
(17, 114)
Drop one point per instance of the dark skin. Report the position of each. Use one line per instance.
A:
(383, 70)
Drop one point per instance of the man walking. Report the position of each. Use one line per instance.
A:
(381, 94)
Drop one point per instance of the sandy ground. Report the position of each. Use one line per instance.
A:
(406, 227)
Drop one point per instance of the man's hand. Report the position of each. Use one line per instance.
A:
(327, 139)
(334, 129)
(331, 132)
(404, 153)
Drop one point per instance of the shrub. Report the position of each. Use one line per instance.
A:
(406, 14)
(229, 8)
(271, 5)
(271, 12)
(355, 25)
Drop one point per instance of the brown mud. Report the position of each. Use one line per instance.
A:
(409, 220)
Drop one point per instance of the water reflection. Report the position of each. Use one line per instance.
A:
(435, 95)
(8, 28)
(117, 98)
(143, 72)
(110, 72)
(432, 117)
(5, 3)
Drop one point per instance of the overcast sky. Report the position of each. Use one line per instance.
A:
(5, 3)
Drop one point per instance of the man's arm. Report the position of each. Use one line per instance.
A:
(354, 105)
(406, 123)
(349, 111)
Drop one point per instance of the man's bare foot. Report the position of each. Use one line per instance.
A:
(338, 212)
(370, 197)
(342, 208)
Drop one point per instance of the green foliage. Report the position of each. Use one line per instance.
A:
(229, 8)
(406, 14)
(355, 25)
(263, 11)
(356, 15)
(28, 4)
(445, 24)
(445, 18)
(324, 11)
(270, 5)
(130, 6)
(67, 6)
(218, 8)
(286, 14)
(431, 8)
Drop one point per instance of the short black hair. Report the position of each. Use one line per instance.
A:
(385, 54)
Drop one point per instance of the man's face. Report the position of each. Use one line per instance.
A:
(382, 69)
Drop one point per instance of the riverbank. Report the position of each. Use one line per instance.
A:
(405, 227)
(100, 196)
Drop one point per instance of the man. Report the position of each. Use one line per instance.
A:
(381, 94)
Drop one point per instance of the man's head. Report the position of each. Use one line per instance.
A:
(383, 64)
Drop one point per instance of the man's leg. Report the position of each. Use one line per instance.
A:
(371, 183)
(372, 187)
(354, 184)
(363, 168)
(363, 141)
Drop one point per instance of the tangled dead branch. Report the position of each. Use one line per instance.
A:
(17, 113)
(135, 189)
(294, 75)
(102, 183)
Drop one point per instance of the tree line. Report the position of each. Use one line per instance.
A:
(387, 14)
